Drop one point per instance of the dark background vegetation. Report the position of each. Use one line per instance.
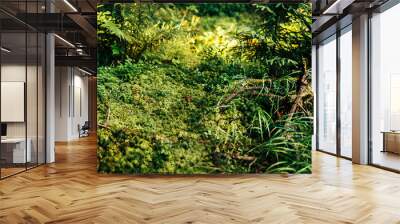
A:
(204, 88)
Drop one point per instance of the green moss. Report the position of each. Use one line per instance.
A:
(205, 97)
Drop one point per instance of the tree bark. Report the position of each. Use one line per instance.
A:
(302, 86)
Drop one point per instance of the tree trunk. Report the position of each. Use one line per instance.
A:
(302, 86)
(108, 116)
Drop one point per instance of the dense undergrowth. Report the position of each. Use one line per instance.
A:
(211, 88)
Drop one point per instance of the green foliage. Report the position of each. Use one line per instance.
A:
(208, 88)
